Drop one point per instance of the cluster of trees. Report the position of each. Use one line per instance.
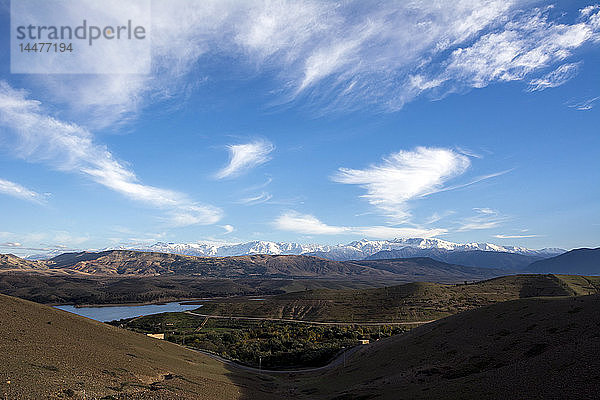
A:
(272, 345)
(268, 344)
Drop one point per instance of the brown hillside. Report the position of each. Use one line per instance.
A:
(539, 348)
(418, 301)
(12, 262)
(121, 262)
(48, 353)
(127, 262)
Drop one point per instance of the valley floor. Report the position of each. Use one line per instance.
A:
(529, 348)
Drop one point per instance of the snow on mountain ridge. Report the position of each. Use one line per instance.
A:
(353, 250)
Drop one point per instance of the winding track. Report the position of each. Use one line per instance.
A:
(333, 363)
(299, 321)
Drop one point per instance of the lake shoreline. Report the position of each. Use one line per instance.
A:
(185, 301)
(113, 313)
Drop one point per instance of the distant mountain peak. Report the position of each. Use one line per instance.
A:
(358, 249)
(355, 250)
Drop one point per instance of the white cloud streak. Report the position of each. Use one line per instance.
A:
(68, 147)
(263, 197)
(228, 229)
(484, 218)
(555, 78)
(514, 236)
(310, 225)
(11, 244)
(43, 241)
(243, 157)
(585, 105)
(405, 176)
(15, 190)
(339, 54)
(474, 181)
(525, 44)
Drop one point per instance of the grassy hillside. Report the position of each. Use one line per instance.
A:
(536, 348)
(526, 349)
(85, 289)
(48, 353)
(418, 301)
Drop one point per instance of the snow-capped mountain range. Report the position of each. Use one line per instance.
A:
(352, 251)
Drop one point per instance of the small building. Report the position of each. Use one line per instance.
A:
(364, 341)
(156, 335)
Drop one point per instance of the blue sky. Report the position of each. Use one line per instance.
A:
(315, 122)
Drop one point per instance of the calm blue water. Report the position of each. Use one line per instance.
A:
(110, 313)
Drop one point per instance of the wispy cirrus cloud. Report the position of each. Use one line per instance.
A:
(310, 225)
(263, 197)
(341, 55)
(514, 236)
(478, 179)
(484, 218)
(525, 44)
(10, 244)
(306, 223)
(585, 105)
(243, 157)
(21, 192)
(405, 176)
(438, 216)
(43, 241)
(555, 78)
(36, 136)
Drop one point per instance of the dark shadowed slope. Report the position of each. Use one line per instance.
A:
(48, 353)
(578, 261)
(538, 348)
(426, 268)
(474, 258)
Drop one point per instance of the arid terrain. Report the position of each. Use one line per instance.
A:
(529, 335)
(535, 348)
(127, 262)
(49, 353)
(539, 348)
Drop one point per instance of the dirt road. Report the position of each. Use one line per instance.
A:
(340, 359)
(299, 321)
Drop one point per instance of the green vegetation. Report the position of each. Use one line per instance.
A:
(419, 301)
(274, 344)
(268, 344)
(535, 348)
(580, 285)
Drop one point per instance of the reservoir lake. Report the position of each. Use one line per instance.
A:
(111, 313)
